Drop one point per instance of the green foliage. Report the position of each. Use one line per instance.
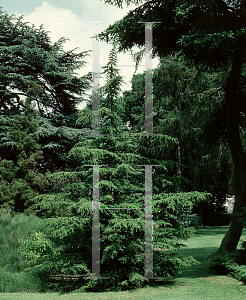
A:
(177, 207)
(233, 263)
(63, 197)
(58, 135)
(204, 32)
(68, 214)
(112, 107)
(187, 105)
(13, 228)
(20, 179)
(224, 263)
(19, 282)
(211, 36)
(34, 246)
(41, 74)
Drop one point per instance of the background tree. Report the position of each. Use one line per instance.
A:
(20, 155)
(36, 77)
(209, 34)
(57, 135)
(186, 109)
(30, 65)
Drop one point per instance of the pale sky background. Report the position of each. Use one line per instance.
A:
(66, 18)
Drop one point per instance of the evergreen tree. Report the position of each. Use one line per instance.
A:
(58, 135)
(185, 102)
(209, 34)
(31, 66)
(68, 214)
(20, 156)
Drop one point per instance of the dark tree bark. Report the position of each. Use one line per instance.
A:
(178, 159)
(231, 239)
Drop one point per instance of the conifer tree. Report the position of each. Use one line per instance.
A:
(208, 34)
(68, 207)
(31, 65)
(185, 102)
(20, 156)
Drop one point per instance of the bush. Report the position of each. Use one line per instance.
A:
(13, 228)
(233, 263)
(19, 282)
(35, 245)
(224, 263)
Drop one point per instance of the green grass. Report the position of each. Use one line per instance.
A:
(199, 282)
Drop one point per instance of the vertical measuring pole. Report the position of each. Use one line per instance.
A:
(96, 226)
(95, 79)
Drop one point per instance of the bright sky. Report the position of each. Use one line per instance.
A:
(66, 18)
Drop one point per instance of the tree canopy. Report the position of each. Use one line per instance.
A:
(211, 35)
(35, 70)
(46, 161)
(191, 27)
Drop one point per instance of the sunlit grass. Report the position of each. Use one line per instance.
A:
(199, 282)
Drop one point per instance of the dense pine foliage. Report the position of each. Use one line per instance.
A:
(68, 208)
(48, 154)
(34, 69)
(211, 36)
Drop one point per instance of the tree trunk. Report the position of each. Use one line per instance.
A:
(231, 239)
(178, 159)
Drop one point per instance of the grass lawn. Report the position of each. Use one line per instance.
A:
(194, 284)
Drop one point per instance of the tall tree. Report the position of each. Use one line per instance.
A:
(34, 69)
(209, 33)
(185, 103)
(67, 207)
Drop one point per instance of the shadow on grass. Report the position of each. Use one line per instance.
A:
(201, 246)
(211, 230)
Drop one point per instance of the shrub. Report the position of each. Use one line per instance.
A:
(224, 263)
(12, 282)
(233, 263)
(13, 228)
